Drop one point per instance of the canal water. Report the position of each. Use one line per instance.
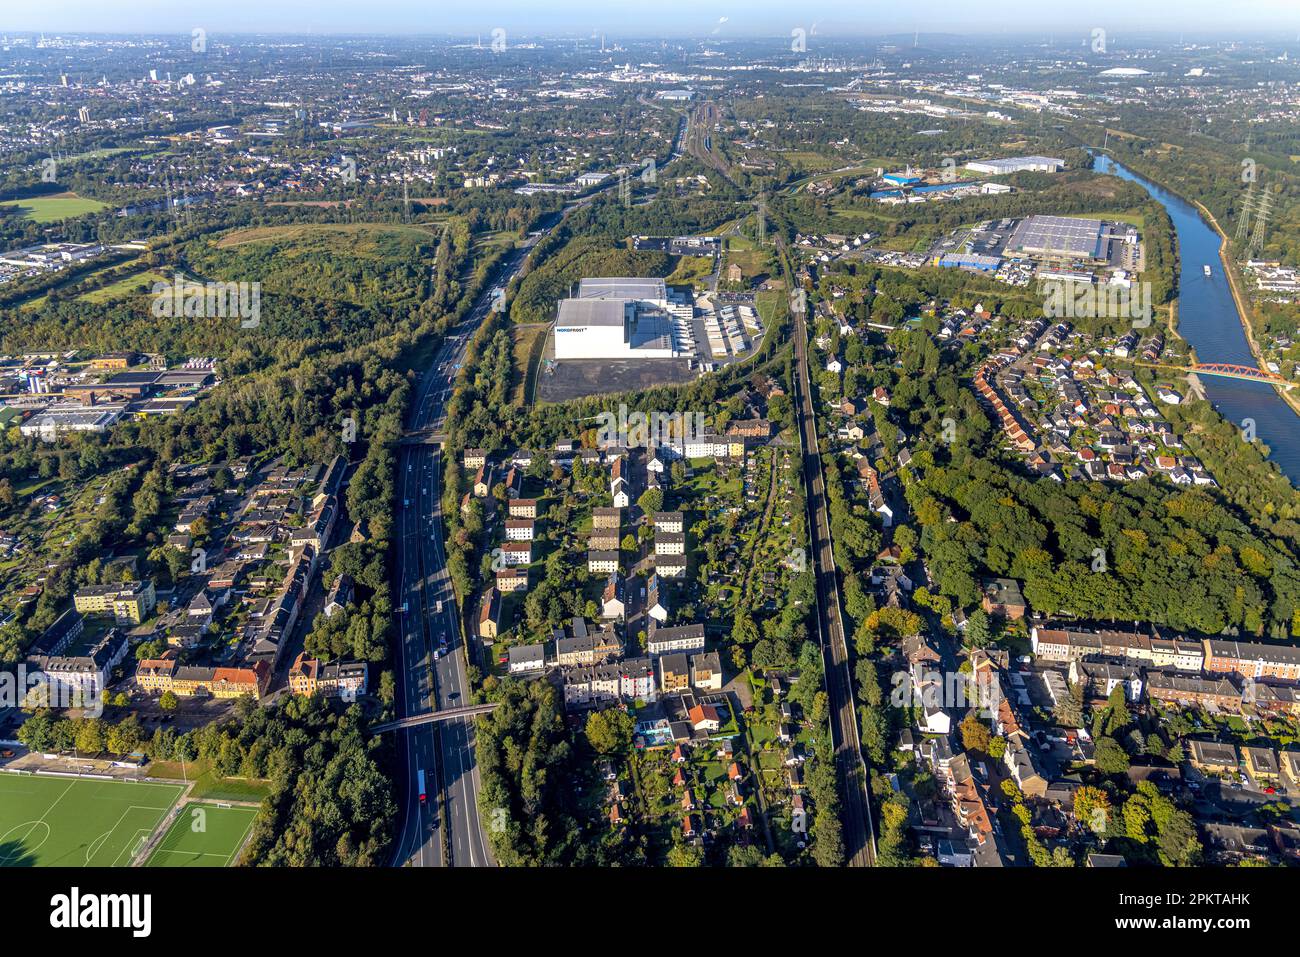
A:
(1208, 319)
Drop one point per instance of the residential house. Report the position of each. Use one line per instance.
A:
(602, 562)
(662, 641)
(1002, 597)
(612, 597)
(1213, 757)
(489, 616)
(706, 671)
(526, 659)
(655, 605)
(512, 580)
(674, 673)
(523, 508)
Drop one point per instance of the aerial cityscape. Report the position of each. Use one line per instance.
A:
(590, 442)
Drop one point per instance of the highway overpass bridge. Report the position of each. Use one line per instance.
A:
(432, 717)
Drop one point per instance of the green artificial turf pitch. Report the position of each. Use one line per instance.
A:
(77, 822)
(203, 835)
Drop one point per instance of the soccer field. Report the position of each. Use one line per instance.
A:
(203, 835)
(51, 209)
(77, 822)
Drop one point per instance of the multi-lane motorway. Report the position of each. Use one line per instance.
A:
(444, 828)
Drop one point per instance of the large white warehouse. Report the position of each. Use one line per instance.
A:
(623, 318)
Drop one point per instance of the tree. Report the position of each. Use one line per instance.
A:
(609, 731)
(1092, 807)
(37, 732)
(743, 629)
(1117, 716)
(651, 501)
(90, 735)
(168, 701)
(1069, 710)
(1110, 757)
(1177, 842)
(685, 855)
(978, 630)
(975, 734)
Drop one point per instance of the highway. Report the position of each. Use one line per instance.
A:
(859, 836)
(445, 829)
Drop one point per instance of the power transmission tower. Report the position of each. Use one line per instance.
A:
(171, 203)
(1261, 221)
(1243, 221)
(762, 220)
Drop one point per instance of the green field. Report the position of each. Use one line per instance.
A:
(51, 209)
(135, 284)
(76, 822)
(203, 835)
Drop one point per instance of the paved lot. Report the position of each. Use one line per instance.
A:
(575, 378)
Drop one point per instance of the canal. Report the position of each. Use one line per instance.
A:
(1209, 321)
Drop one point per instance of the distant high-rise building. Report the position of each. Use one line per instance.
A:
(83, 115)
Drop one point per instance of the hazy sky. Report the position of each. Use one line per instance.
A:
(650, 17)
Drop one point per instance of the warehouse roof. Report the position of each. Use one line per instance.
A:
(622, 288)
(592, 312)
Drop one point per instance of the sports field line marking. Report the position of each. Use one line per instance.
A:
(128, 847)
(41, 819)
(173, 850)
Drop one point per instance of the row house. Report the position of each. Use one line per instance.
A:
(669, 522)
(167, 674)
(670, 543)
(670, 566)
(579, 646)
(344, 680)
(511, 580)
(662, 641)
(1252, 659)
(604, 562)
(629, 680)
(1193, 691)
(520, 530)
(523, 508)
(516, 553)
(1099, 678)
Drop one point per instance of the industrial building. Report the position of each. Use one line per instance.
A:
(1017, 164)
(1061, 237)
(624, 318)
